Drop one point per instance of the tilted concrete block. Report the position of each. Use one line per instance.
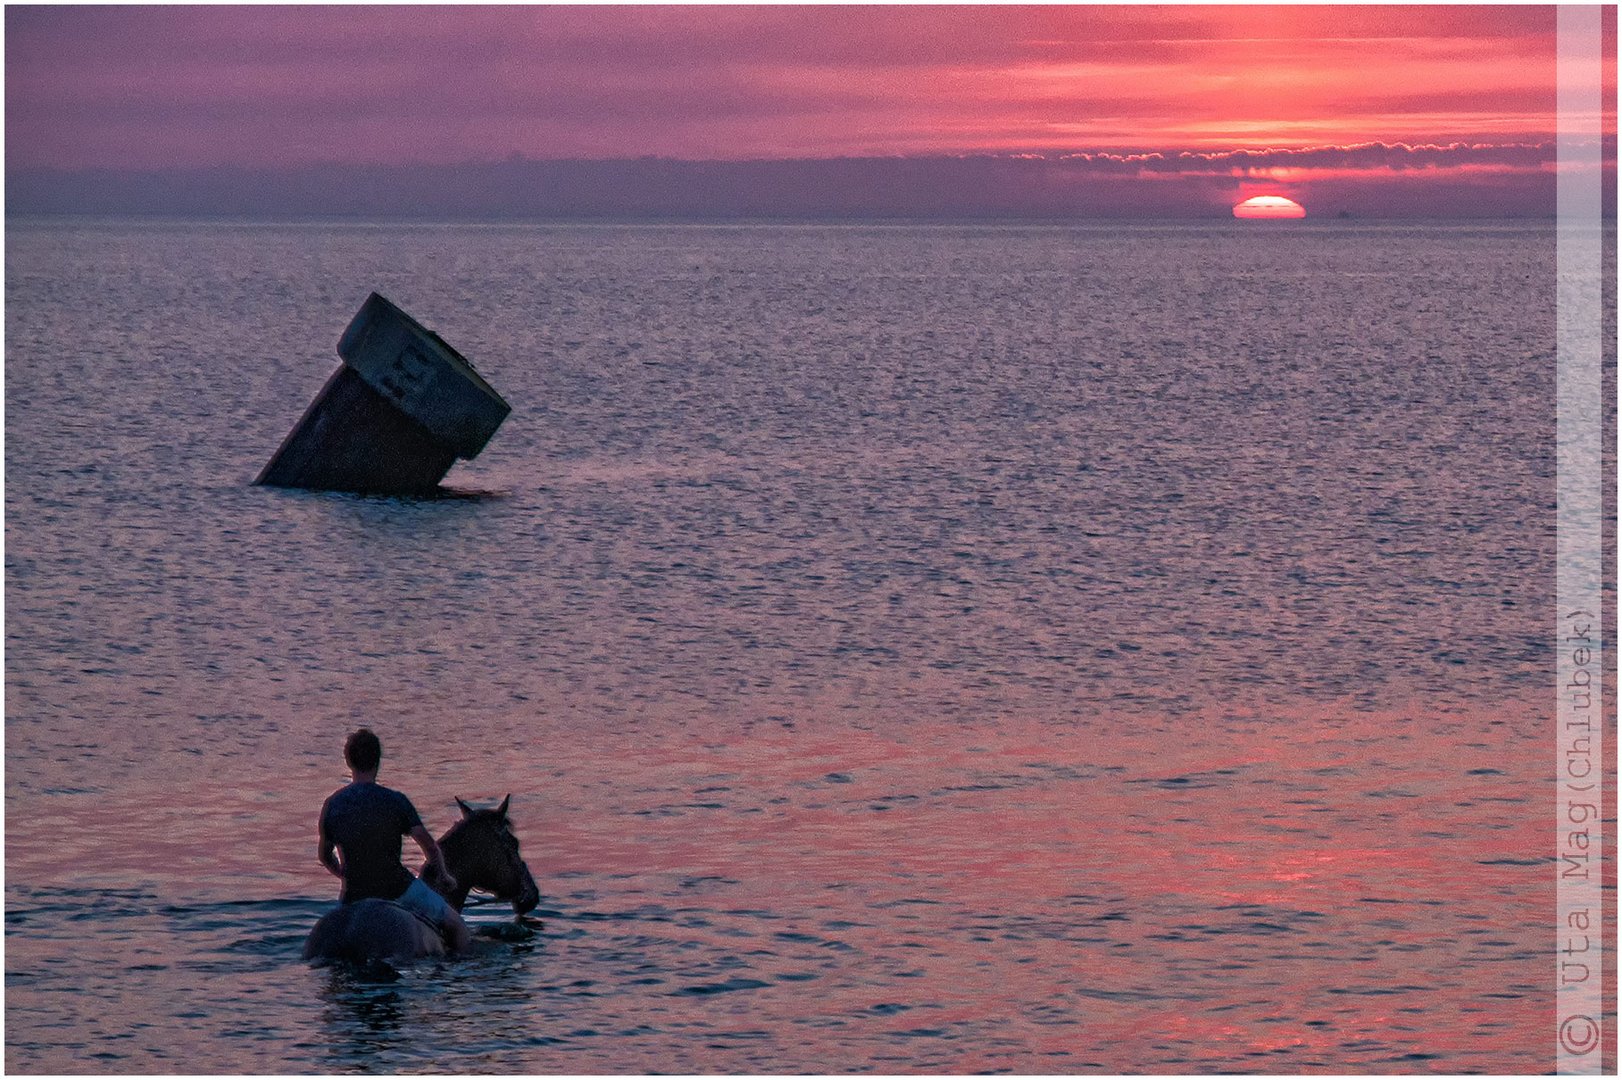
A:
(402, 408)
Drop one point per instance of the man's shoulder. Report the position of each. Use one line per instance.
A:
(392, 795)
(338, 800)
(359, 795)
(397, 799)
(366, 801)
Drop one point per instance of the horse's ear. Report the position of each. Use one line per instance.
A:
(467, 811)
(502, 809)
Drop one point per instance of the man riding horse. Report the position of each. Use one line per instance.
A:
(364, 822)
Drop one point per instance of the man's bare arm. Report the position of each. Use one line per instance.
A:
(327, 851)
(435, 857)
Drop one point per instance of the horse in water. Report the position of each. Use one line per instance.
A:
(480, 852)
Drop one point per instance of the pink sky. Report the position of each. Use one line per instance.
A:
(153, 87)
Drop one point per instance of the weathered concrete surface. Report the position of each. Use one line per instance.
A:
(393, 419)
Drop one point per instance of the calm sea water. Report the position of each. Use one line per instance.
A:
(924, 648)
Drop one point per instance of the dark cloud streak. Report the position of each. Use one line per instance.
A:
(1457, 181)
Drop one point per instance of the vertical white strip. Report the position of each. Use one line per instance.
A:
(1580, 710)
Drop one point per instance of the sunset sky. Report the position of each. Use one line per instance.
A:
(1264, 96)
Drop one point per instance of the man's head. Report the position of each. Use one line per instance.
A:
(363, 752)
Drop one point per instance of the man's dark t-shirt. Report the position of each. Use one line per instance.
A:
(366, 821)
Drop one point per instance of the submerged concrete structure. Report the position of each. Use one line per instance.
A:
(392, 420)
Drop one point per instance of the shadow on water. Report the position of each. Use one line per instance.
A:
(382, 1017)
(364, 1011)
(379, 1016)
(441, 494)
(375, 1020)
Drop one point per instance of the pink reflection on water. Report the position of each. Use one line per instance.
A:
(1197, 892)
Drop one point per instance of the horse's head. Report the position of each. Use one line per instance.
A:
(482, 853)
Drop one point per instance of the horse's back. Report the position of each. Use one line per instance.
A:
(369, 930)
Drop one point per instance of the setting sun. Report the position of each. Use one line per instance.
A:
(1269, 206)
